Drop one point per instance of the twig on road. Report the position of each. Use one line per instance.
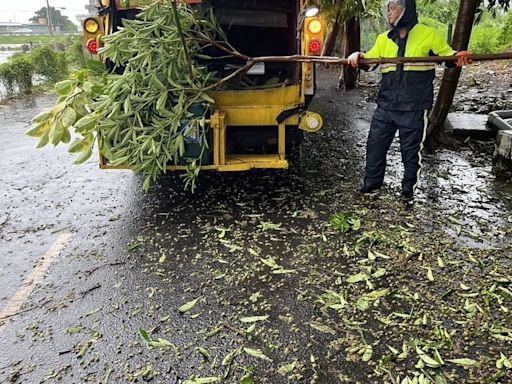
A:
(60, 230)
(5, 219)
(231, 328)
(11, 365)
(91, 271)
(6, 317)
(87, 291)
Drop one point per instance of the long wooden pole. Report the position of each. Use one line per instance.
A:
(381, 60)
(343, 61)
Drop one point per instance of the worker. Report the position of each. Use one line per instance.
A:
(405, 94)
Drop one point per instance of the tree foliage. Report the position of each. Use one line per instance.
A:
(444, 11)
(345, 10)
(57, 18)
(17, 73)
(146, 117)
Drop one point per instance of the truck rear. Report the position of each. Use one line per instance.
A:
(255, 124)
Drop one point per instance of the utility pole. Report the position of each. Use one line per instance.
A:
(48, 16)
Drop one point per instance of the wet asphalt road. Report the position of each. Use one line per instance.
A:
(134, 258)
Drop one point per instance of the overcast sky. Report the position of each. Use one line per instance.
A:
(22, 10)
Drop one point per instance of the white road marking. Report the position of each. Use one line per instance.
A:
(24, 291)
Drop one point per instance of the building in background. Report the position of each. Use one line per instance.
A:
(8, 28)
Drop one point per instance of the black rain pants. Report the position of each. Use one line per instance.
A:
(412, 127)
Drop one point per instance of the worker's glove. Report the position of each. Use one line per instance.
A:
(353, 59)
(463, 58)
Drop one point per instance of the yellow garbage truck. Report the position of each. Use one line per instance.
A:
(252, 127)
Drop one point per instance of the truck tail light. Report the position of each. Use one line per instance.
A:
(315, 47)
(315, 26)
(92, 46)
(91, 25)
(314, 35)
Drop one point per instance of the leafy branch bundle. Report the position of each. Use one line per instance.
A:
(143, 116)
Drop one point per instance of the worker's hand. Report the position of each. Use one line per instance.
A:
(353, 59)
(464, 58)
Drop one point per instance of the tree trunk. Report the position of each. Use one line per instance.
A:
(463, 27)
(330, 41)
(352, 44)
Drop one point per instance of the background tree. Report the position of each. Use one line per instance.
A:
(57, 18)
(344, 16)
(444, 11)
(468, 12)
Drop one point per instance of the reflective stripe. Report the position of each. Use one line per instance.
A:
(425, 125)
(419, 64)
(385, 68)
(421, 40)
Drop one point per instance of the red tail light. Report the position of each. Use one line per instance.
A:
(315, 47)
(92, 46)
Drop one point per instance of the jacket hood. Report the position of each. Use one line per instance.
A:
(409, 18)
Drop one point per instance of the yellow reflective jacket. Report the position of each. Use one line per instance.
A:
(409, 86)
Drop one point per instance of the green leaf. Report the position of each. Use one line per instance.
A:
(68, 117)
(430, 275)
(38, 130)
(161, 102)
(203, 380)
(247, 378)
(368, 353)
(86, 122)
(74, 330)
(322, 328)
(465, 362)
(56, 132)
(250, 330)
(357, 278)
(79, 145)
(44, 140)
(188, 306)
(256, 353)
(429, 361)
(207, 98)
(63, 87)
(161, 343)
(286, 369)
(133, 245)
(503, 362)
(374, 295)
(280, 271)
(379, 273)
(204, 352)
(84, 156)
(66, 136)
(253, 319)
(362, 304)
(43, 116)
(394, 351)
(95, 66)
(144, 335)
(228, 359)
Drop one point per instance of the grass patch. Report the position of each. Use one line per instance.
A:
(36, 39)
